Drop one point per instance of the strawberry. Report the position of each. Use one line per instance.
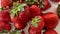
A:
(20, 25)
(44, 4)
(4, 26)
(58, 10)
(51, 20)
(4, 15)
(34, 32)
(51, 31)
(35, 11)
(5, 3)
(55, 0)
(17, 32)
(37, 23)
(20, 14)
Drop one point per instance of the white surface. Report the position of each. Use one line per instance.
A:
(52, 9)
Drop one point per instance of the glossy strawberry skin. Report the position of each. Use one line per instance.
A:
(5, 3)
(35, 11)
(46, 5)
(51, 31)
(22, 32)
(50, 19)
(4, 15)
(5, 25)
(40, 25)
(55, 0)
(34, 32)
(19, 25)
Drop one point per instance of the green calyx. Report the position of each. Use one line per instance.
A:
(16, 32)
(1, 9)
(3, 31)
(59, 10)
(35, 21)
(30, 2)
(16, 8)
(41, 4)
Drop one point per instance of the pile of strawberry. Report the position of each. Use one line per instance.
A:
(20, 12)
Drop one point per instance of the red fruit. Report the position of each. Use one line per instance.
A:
(34, 32)
(55, 0)
(51, 31)
(44, 4)
(58, 10)
(19, 25)
(5, 26)
(22, 32)
(5, 3)
(37, 23)
(4, 15)
(35, 11)
(51, 20)
(21, 16)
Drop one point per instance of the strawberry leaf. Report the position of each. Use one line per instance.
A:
(16, 8)
(3, 31)
(59, 10)
(1, 9)
(41, 4)
(16, 32)
(30, 2)
(35, 21)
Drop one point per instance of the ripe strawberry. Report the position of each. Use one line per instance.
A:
(5, 26)
(35, 11)
(51, 31)
(51, 20)
(4, 15)
(44, 4)
(5, 3)
(55, 0)
(20, 14)
(34, 32)
(17, 32)
(20, 25)
(37, 23)
(58, 10)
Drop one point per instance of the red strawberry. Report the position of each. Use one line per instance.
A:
(17, 32)
(5, 3)
(4, 15)
(34, 32)
(51, 20)
(51, 31)
(44, 4)
(58, 10)
(5, 26)
(35, 11)
(55, 0)
(20, 25)
(21, 14)
(37, 23)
